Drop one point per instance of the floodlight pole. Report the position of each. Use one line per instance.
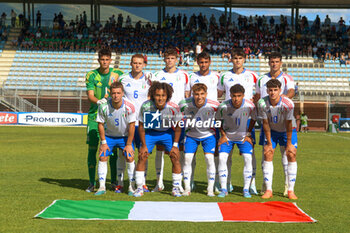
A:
(296, 17)
(24, 9)
(33, 24)
(28, 12)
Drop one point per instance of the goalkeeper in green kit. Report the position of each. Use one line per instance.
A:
(98, 82)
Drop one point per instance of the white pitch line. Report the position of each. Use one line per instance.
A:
(338, 136)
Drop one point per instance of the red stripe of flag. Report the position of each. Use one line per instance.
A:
(273, 211)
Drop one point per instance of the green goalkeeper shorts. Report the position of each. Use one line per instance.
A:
(93, 136)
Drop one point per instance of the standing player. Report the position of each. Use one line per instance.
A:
(246, 78)
(205, 76)
(178, 80)
(118, 117)
(276, 112)
(199, 109)
(157, 110)
(287, 90)
(97, 85)
(136, 84)
(210, 79)
(235, 114)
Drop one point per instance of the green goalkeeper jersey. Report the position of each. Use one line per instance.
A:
(100, 83)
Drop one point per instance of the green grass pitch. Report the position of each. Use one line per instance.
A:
(39, 165)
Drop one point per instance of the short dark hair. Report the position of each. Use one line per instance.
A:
(199, 86)
(238, 52)
(273, 83)
(275, 55)
(116, 85)
(104, 52)
(203, 55)
(238, 88)
(137, 56)
(171, 52)
(160, 86)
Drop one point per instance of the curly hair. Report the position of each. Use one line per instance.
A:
(160, 86)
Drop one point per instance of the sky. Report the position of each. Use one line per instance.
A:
(309, 13)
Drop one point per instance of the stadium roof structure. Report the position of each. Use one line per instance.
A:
(338, 4)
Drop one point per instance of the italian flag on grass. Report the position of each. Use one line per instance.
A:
(274, 211)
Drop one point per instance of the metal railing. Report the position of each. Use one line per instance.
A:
(16, 103)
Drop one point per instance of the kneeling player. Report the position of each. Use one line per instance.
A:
(277, 114)
(157, 115)
(199, 110)
(234, 114)
(118, 117)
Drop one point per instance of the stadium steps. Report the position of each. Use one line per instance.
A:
(6, 61)
(13, 34)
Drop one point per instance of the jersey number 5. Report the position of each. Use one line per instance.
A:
(116, 122)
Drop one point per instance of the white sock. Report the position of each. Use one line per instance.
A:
(139, 176)
(252, 182)
(284, 164)
(223, 169)
(209, 159)
(187, 170)
(229, 166)
(159, 161)
(268, 174)
(177, 179)
(193, 167)
(247, 170)
(216, 161)
(145, 176)
(292, 174)
(131, 171)
(102, 173)
(121, 168)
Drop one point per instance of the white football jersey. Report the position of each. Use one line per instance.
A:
(211, 81)
(136, 90)
(178, 80)
(276, 115)
(169, 113)
(116, 120)
(286, 80)
(205, 114)
(235, 119)
(247, 79)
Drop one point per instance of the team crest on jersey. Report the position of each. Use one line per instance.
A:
(99, 84)
(143, 86)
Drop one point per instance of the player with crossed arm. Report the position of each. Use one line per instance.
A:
(136, 85)
(235, 114)
(97, 85)
(210, 79)
(276, 111)
(247, 78)
(160, 109)
(287, 90)
(199, 109)
(178, 80)
(116, 126)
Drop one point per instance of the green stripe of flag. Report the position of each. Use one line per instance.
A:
(89, 209)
